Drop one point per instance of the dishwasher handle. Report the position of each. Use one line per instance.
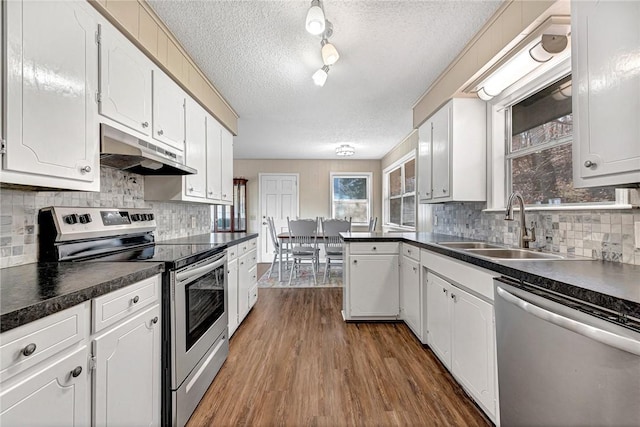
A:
(605, 337)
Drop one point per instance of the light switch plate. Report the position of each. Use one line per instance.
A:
(637, 233)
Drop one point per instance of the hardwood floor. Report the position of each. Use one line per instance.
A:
(295, 362)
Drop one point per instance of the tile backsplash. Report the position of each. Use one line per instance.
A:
(603, 234)
(118, 189)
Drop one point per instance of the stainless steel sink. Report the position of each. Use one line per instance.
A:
(468, 245)
(515, 254)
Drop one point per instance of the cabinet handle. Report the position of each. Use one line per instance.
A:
(86, 169)
(415, 268)
(355, 261)
(76, 372)
(589, 164)
(29, 349)
(154, 320)
(190, 188)
(145, 124)
(408, 251)
(453, 297)
(445, 291)
(427, 193)
(160, 132)
(374, 248)
(444, 190)
(135, 299)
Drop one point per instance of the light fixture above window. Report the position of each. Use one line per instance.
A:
(549, 41)
(315, 23)
(345, 150)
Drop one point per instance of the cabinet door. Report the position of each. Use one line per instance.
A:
(214, 159)
(127, 374)
(472, 346)
(425, 133)
(439, 317)
(440, 146)
(226, 168)
(49, 395)
(606, 98)
(51, 86)
(168, 111)
(410, 295)
(125, 82)
(247, 272)
(196, 132)
(373, 284)
(232, 295)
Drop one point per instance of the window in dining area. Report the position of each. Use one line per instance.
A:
(351, 196)
(400, 193)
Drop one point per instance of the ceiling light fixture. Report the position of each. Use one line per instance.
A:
(329, 52)
(320, 76)
(315, 23)
(345, 150)
(540, 47)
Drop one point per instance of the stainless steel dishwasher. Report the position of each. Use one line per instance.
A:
(564, 363)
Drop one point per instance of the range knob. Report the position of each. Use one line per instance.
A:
(151, 217)
(135, 217)
(71, 219)
(85, 218)
(146, 217)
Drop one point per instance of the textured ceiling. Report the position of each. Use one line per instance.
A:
(259, 56)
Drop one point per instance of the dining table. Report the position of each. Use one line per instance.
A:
(283, 239)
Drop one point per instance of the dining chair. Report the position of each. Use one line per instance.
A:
(372, 224)
(333, 245)
(276, 246)
(303, 244)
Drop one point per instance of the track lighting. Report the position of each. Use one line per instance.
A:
(329, 53)
(320, 76)
(315, 23)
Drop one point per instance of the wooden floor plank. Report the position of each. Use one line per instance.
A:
(295, 362)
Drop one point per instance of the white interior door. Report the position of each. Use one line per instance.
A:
(278, 199)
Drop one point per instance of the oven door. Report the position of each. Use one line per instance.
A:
(198, 311)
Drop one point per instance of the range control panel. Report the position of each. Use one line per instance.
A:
(88, 222)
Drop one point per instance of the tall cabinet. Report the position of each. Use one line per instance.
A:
(452, 153)
(233, 218)
(605, 40)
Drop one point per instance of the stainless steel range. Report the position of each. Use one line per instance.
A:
(195, 339)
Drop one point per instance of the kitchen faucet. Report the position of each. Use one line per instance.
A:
(524, 239)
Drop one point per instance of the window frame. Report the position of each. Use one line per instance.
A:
(499, 141)
(368, 176)
(400, 163)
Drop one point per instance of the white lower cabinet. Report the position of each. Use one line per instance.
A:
(411, 295)
(55, 374)
(242, 281)
(54, 393)
(373, 285)
(126, 379)
(460, 331)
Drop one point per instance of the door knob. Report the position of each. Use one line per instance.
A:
(76, 372)
(145, 124)
(29, 349)
(589, 164)
(86, 169)
(160, 132)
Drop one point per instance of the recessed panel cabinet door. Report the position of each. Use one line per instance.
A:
(52, 69)
(226, 167)
(214, 159)
(168, 111)
(439, 317)
(373, 285)
(196, 135)
(410, 295)
(125, 82)
(232, 295)
(53, 395)
(440, 146)
(127, 375)
(425, 134)
(605, 47)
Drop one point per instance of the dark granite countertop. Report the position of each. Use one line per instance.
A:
(611, 285)
(228, 239)
(32, 291)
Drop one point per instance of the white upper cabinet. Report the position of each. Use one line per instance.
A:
(214, 157)
(452, 153)
(196, 136)
(51, 84)
(606, 96)
(125, 82)
(226, 168)
(168, 111)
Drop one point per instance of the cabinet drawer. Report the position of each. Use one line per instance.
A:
(247, 246)
(374, 248)
(115, 306)
(249, 259)
(232, 252)
(412, 252)
(25, 346)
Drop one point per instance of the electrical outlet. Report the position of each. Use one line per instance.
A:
(193, 222)
(637, 233)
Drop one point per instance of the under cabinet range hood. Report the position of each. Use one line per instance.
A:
(123, 151)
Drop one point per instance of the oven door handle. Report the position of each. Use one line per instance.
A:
(600, 335)
(188, 274)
